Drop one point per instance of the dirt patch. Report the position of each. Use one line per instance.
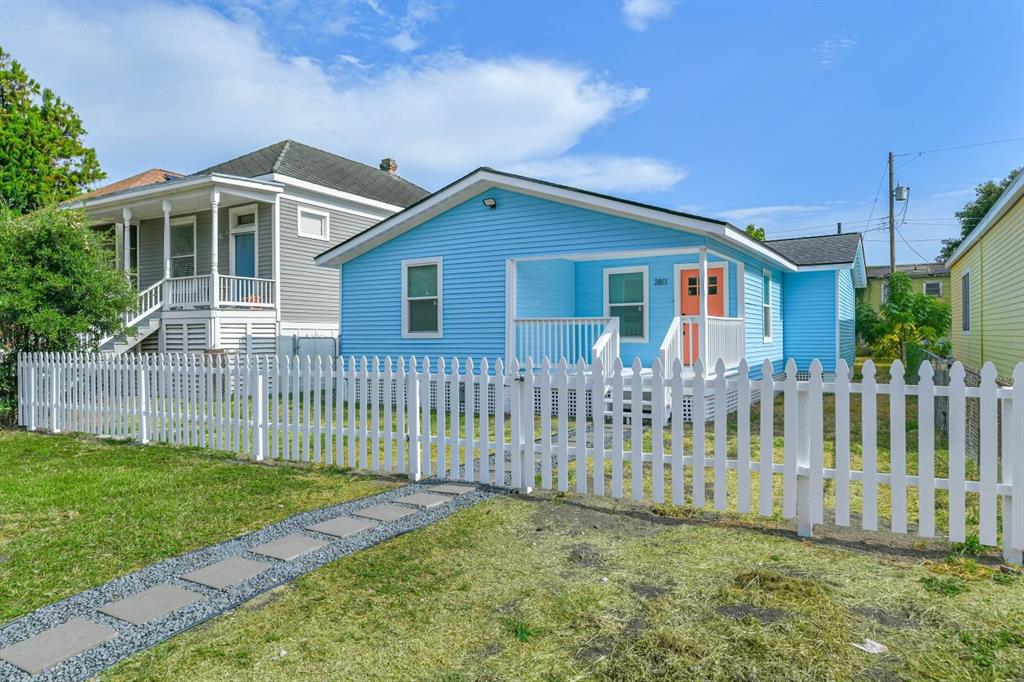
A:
(507, 609)
(491, 650)
(575, 519)
(648, 591)
(883, 617)
(266, 599)
(585, 556)
(596, 649)
(743, 611)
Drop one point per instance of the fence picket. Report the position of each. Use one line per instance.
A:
(545, 425)
(790, 436)
(816, 415)
(766, 425)
(926, 451)
(469, 423)
(657, 432)
(412, 390)
(869, 448)
(988, 455)
(562, 409)
(897, 448)
(678, 444)
(721, 436)
(454, 412)
(579, 442)
(401, 441)
(387, 389)
(842, 409)
(699, 408)
(499, 422)
(743, 492)
(597, 390)
(425, 428)
(957, 460)
(484, 379)
(617, 423)
(636, 411)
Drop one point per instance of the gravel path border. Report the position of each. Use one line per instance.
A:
(132, 639)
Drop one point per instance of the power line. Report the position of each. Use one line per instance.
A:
(962, 146)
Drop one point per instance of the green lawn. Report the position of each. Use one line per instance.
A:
(75, 513)
(552, 588)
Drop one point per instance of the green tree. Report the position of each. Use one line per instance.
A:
(985, 195)
(42, 157)
(756, 232)
(57, 282)
(906, 324)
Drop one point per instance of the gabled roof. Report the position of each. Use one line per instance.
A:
(151, 177)
(1006, 201)
(910, 269)
(485, 178)
(829, 249)
(300, 161)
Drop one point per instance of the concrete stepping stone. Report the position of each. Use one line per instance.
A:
(50, 647)
(385, 512)
(343, 526)
(227, 572)
(289, 547)
(425, 500)
(452, 488)
(151, 604)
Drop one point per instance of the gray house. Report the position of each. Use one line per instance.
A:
(223, 258)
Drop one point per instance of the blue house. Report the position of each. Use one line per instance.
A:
(501, 265)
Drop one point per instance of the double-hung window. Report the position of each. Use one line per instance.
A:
(625, 297)
(422, 298)
(183, 247)
(933, 289)
(766, 305)
(965, 302)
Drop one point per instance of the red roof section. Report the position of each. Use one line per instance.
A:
(151, 177)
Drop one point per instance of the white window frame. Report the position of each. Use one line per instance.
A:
(769, 307)
(924, 287)
(406, 264)
(310, 211)
(175, 222)
(643, 270)
(965, 303)
(234, 228)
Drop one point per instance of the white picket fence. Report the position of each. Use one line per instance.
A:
(518, 426)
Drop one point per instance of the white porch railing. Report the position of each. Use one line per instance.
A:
(248, 292)
(725, 341)
(147, 302)
(571, 338)
(606, 348)
(188, 292)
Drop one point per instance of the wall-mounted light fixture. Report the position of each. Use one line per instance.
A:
(489, 202)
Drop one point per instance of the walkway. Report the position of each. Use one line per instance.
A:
(80, 636)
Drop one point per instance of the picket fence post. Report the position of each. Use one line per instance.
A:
(53, 372)
(799, 464)
(1013, 460)
(412, 404)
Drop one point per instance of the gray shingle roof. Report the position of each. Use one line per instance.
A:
(911, 269)
(826, 249)
(307, 163)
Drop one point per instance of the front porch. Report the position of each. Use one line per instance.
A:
(639, 315)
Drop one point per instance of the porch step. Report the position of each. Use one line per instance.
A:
(122, 343)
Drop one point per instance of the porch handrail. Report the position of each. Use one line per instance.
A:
(148, 301)
(249, 292)
(607, 345)
(672, 345)
(555, 338)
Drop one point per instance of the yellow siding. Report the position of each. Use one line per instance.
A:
(872, 293)
(996, 263)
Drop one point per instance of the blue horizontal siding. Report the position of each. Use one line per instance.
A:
(809, 311)
(545, 288)
(475, 243)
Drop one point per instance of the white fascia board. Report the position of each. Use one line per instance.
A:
(1006, 201)
(381, 206)
(483, 179)
(176, 187)
(820, 268)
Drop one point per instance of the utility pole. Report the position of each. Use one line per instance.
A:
(892, 221)
(839, 228)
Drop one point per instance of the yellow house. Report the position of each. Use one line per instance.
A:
(987, 283)
(930, 279)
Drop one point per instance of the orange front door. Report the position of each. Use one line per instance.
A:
(689, 304)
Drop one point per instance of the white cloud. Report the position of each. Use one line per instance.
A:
(403, 41)
(639, 14)
(602, 173)
(417, 13)
(770, 212)
(830, 48)
(181, 86)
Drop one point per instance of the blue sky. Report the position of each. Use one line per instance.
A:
(774, 113)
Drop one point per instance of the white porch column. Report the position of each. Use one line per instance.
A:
(166, 206)
(214, 239)
(126, 231)
(702, 331)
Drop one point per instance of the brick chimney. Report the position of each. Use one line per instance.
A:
(390, 165)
